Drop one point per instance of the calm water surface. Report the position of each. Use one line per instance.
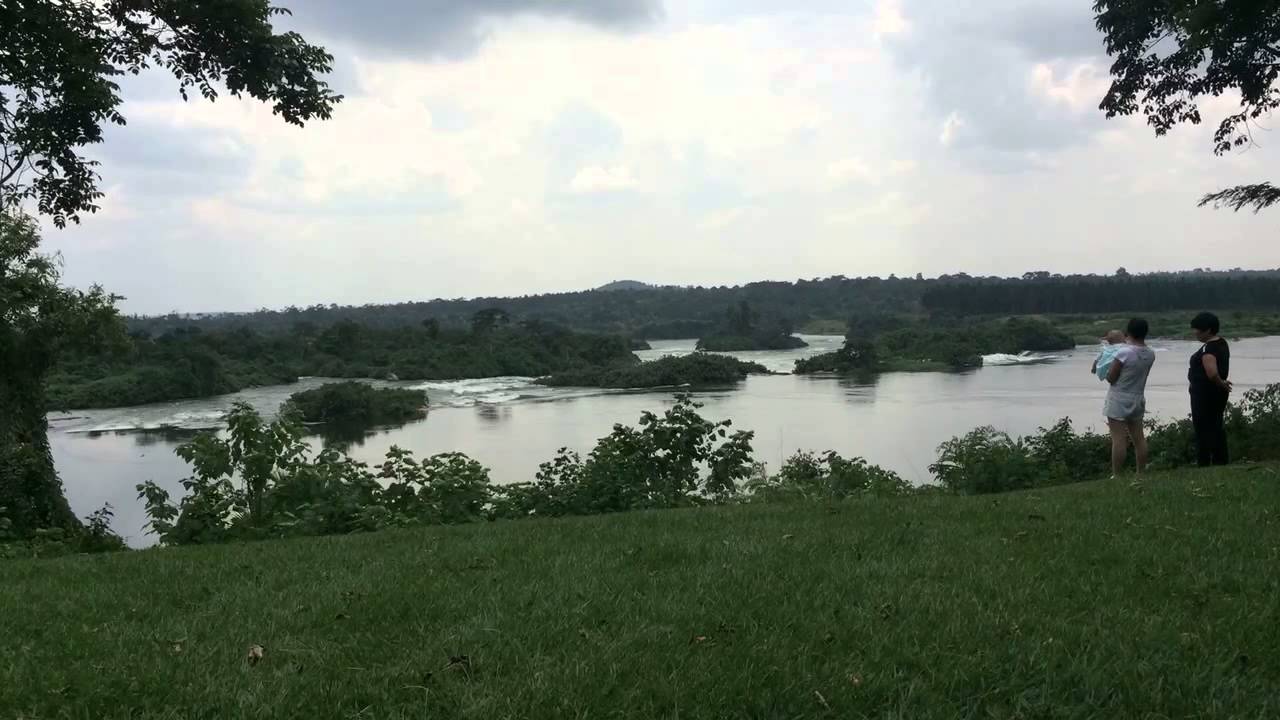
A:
(511, 426)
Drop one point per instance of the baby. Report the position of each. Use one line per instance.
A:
(1101, 366)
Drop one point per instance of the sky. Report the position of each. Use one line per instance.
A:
(509, 147)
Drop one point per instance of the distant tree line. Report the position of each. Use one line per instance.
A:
(695, 312)
(1036, 294)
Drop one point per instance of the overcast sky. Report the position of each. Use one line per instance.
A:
(505, 147)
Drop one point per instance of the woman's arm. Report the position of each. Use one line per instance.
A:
(1093, 369)
(1113, 374)
(1211, 371)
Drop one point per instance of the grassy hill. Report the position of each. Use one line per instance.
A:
(1104, 599)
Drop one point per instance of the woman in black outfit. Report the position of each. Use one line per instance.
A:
(1209, 390)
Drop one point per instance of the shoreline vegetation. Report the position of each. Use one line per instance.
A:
(208, 357)
(194, 364)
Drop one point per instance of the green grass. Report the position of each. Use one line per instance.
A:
(1098, 600)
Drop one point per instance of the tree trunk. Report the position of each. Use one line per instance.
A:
(31, 494)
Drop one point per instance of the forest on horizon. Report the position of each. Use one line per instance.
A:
(663, 312)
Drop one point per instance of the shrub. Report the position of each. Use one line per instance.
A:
(1253, 426)
(676, 459)
(443, 489)
(985, 461)
(807, 476)
(1065, 456)
(94, 536)
(260, 481)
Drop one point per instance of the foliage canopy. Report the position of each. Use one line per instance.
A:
(60, 61)
(1170, 54)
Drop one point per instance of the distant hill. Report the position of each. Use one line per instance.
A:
(625, 285)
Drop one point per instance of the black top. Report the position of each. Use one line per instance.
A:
(1196, 374)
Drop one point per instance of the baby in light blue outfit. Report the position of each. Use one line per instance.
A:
(1115, 341)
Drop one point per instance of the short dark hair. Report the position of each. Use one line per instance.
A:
(1138, 329)
(1206, 321)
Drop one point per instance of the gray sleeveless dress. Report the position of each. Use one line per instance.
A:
(1126, 400)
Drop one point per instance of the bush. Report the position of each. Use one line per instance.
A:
(260, 482)
(94, 536)
(443, 489)
(829, 476)
(1253, 426)
(357, 403)
(1065, 456)
(673, 460)
(985, 461)
(696, 370)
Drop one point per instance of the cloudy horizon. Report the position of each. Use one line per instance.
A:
(511, 147)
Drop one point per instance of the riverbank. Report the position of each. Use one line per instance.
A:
(1093, 599)
(1087, 329)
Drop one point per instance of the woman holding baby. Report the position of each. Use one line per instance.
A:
(1125, 365)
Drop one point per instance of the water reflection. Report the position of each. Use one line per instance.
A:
(493, 413)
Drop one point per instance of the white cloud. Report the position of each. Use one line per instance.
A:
(950, 128)
(766, 144)
(889, 19)
(594, 178)
(1079, 88)
(851, 169)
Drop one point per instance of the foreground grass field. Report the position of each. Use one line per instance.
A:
(1099, 600)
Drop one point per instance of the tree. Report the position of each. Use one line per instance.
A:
(489, 319)
(59, 60)
(1170, 53)
(741, 319)
(38, 321)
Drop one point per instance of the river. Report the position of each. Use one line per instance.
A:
(511, 426)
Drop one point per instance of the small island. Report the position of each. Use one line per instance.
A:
(698, 369)
(354, 403)
(935, 344)
(743, 329)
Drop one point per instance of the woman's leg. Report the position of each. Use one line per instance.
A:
(1219, 430)
(1135, 430)
(1201, 421)
(1119, 444)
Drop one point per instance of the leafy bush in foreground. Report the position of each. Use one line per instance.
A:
(986, 460)
(828, 476)
(94, 536)
(673, 460)
(260, 481)
(696, 369)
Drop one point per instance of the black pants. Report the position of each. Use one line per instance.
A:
(1207, 409)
